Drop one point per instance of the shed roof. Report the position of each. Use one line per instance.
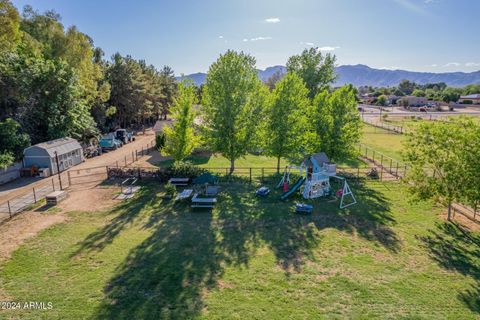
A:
(61, 146)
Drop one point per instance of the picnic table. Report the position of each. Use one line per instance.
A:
(184, 194)
(203, 202)
(179, 181)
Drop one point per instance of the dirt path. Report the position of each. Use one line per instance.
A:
(14, 232)
(24, 185)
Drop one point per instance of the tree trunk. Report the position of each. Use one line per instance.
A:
(449, 217)
(232, 165)
(278, 164)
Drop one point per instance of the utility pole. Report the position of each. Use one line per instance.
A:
(58, 171)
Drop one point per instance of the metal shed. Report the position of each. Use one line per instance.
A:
(43, 155)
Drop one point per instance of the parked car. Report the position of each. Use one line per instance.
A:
(131, 136)
(122, 135)
(109, 143)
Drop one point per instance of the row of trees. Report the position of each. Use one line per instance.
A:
(432, 91)
(54, 82)
(239, 114)
(445, 158)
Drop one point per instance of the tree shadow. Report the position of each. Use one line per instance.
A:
(124, 215)
(457, 250)
(168, 274)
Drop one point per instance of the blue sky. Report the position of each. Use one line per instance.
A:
(188, 35)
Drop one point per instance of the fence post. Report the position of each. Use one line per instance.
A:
(262, 174)
(9, 209)
(142, 152)
(133, 158)
(53, 185)
(125, 160)
(381, 161)
(373, 155)
(69, 179)
(396, 171)
(136, 155)
(250, 175)
(381, 173)
(391, 160)
(358, 173)
(34, 195)
(117, 163)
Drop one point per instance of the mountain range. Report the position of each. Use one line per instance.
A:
(362, 75)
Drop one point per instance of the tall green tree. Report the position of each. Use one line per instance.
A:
(335, 123)
(12, 139)
(316, 70)
(180, 136)
(10, 34)
(286, 118)
(435, 151)
(233, 99)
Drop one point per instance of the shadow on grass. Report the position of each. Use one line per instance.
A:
(452, 249)
(167, 275)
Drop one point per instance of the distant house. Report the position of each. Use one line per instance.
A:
(474, 98)
(44, 155)
(412, 101)
(392, 99)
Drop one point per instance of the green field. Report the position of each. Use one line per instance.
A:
(386, 142)
(250, 258)
(209, 160)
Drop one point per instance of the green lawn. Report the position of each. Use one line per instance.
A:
(208, 160)
(250, 259)
(386, 142)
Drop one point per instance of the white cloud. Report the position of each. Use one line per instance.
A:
(472, 64)
(409, 5)
(429, 1)
(310, 44)
(434, 65)
(328, 48)
(220, 37)
(390, 68)
(260, 38)
(245, 40)
(272, 20)
(452, 64)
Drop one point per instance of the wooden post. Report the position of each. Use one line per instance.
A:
(358, 173)
(117, 163)
(381, 161)
(250, 175)
(262, 174)
(125, 160)
(136, 155)
(69, 178)
(9, 209)
(133, 157)
(381, 173)
(373, 155)
(396, 171)
(391, 160)
(34, 195)
(53, 185)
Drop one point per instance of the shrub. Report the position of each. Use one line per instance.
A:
(184, 169)
(160, 141)
(170, 189)
(467, 102)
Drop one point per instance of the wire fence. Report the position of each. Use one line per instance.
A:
(381, 125)
(386, 164)
(67, 179)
